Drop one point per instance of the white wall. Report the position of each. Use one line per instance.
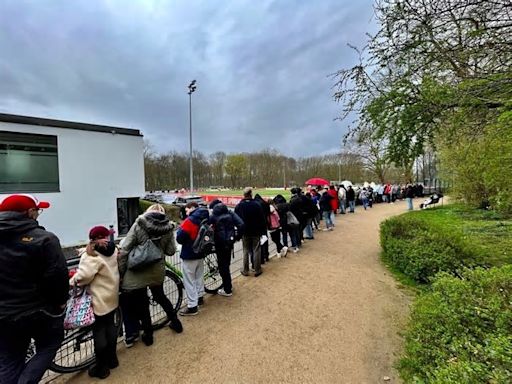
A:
(95, 169)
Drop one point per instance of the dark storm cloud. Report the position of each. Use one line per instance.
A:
(262, 68)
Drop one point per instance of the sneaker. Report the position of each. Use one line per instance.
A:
(258, 273)
(331, 229)
(189, 311)
(147, 339)
(100, 373)
(130, 340)
(296, 250)
(200, 301)
(244, 273)
(222, 292)
(176, 326)
(284, 251)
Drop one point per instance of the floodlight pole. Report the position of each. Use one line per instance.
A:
(191, 88)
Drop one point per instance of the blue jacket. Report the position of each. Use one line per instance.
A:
(187, 233)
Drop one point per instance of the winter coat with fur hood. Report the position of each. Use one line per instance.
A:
(150, 225)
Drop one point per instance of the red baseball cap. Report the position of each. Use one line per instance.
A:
(99, 232)
(22, 203)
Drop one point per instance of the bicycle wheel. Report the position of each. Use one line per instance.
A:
(173, 289)
(212, 279)
(77, 349)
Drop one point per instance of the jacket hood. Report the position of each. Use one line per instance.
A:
(15, 222)
(155, 223)
(220, 209)
(199, 214)
(279, 199)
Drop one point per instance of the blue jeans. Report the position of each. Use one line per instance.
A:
(409, 203)
(352, 205)
(308, 231)
(343, 203)
(47, 332)
(365, 202)
(327, 218)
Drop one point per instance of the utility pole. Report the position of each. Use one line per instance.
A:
(191, 88)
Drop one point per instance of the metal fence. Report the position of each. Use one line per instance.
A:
(68, 355)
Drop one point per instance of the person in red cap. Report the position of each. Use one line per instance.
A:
(34, 290)
(99, 271)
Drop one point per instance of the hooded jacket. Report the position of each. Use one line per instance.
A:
(150, 225)
(224, 223)
(187, 233)
(33, 270)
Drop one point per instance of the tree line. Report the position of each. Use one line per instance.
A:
(265, 168)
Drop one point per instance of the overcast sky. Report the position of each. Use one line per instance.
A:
(262, 68)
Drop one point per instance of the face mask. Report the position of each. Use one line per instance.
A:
(108, 250)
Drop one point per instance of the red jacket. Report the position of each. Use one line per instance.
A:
(334, 200)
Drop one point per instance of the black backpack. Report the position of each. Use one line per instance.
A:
(204, 243)
(225, 230)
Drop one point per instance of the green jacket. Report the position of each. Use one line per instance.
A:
(148, 225)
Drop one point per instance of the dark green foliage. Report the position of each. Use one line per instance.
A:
(461, 330)
(172, 211)
(419, 249)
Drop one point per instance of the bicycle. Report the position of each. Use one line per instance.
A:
(77, 350)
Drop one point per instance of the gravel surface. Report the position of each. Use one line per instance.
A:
(328, 314)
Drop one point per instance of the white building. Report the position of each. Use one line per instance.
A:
(90, 174)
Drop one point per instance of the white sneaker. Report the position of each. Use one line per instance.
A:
(222, 292)
(284, 251)
(296, 250)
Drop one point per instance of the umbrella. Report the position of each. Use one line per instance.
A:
(317, 181)
(346, 183)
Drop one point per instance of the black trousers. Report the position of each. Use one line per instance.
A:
(104, 332)
(47, 332)
(158, 294)
(135, 307)
(224, 261)
(276, 238)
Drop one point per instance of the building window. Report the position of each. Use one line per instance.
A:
(127, 212)
(28, 163)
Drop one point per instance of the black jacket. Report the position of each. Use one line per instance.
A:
(351, 194)
(228, 227)
(33, 270)
(325, 202)
(251, 213)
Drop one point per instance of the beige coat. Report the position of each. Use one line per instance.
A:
(102, 275)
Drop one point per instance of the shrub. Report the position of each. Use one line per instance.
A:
(419, 248)
(461, 331)
(172, 211)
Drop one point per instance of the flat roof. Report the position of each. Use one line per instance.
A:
(30, 120)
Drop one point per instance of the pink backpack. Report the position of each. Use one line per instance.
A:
(274, 220)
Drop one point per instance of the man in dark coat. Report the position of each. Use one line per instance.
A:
(34, 288)
(253, 217)
(228, 227)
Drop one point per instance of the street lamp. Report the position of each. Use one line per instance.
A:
(191, 88)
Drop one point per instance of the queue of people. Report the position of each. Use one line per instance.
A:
(35, 283)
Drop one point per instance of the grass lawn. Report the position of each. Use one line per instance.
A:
(239, 192)
(488, 232)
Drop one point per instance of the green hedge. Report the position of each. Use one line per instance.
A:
(461, 330)
(418, 248)
(172, 211)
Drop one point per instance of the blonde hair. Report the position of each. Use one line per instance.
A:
(156, 208)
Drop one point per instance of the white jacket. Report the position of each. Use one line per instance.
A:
(102, 275)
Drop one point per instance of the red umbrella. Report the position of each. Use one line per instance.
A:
(317, 181)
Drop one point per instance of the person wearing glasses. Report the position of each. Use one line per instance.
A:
(34, 289)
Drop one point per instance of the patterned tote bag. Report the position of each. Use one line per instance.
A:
(79, 311)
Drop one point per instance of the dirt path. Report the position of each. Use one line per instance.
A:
(329, 314)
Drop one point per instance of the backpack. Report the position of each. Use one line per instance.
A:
(204, 242)
(225, 230)
(292, 220)
(274, 220)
